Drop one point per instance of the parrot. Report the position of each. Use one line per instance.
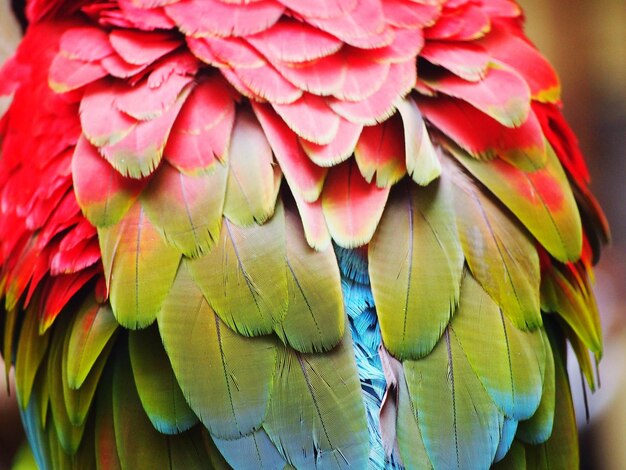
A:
(293, 234)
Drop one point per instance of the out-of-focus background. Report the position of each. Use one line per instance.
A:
(586, 42)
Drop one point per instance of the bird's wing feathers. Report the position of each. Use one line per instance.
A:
(215, 325)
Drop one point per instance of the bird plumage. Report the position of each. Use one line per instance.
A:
(283, 233)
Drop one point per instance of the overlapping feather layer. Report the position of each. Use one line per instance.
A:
(173, 174)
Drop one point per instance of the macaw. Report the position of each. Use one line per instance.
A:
(288, 234)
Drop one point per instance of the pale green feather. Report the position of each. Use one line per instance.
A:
(509, 362)
(253, 180)
(230, 390)
(415, 267)
(244, 278)
(459, 423)
(316, 416)
(31, 350)
(315, 314)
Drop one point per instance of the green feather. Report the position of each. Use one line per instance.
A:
(560, 451)
(187, 209)
(225, 377)
(542, 200)
(31, 350)
(415, 267)
(69, 435)
(315, 316)
(139, 267)
(500, 254)
(538, 428)
(409, 436)
(459, 423)
(78, 400)
(509, 362)
(244, 277)
(92, 329)
(316, 416)
(160, 395)
(139, 445)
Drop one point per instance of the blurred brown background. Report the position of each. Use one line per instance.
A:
(586, 42)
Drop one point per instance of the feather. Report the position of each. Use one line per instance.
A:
(102, 193)
(314, 223)
(352, 206)
(538, 428)
(310, 118)
(139, 268)
(216, 18)
(71, 74)
(31, 352)
(314, 320)
(159, 393)
(92, 330)
(321, 8)
(140, 47)
(459, 423)
(564, 436)
(500, 254)
(502, 94)
(338, 150)
(380, 151)
(525, 60)
(303, 176)
(138, 443)
(542, 200)
(202, 131)
(315, 415)
(483, 136)
(252, 179)
(415, 268)
(68, 436)
(421, 160)
(464, 59)
(244, 277)
(255, 450)
(324, 76)
(186, 209)
(294, 42)
(106, 449)
(564, 297)
(509, 362)
(229, 394)
(78, 400)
